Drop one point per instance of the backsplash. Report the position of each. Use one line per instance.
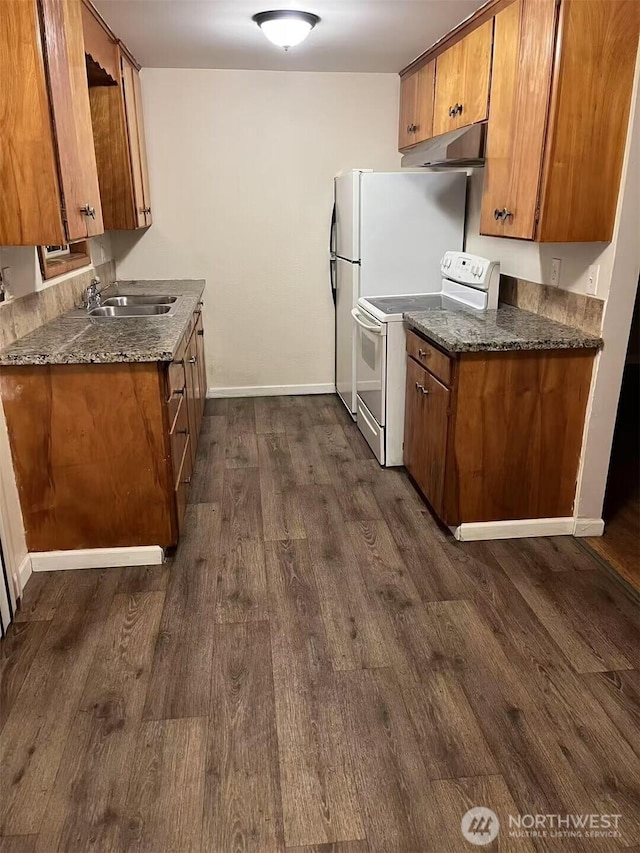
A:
(24, 314)
(563, 306)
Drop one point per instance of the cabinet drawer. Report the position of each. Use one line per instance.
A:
(428, 356)
(182, 482)
(179, 437)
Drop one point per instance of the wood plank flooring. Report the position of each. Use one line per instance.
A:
(320, 668)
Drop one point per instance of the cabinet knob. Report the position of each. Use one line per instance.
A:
(187, 480)
(452, 112)
(503, 214)
(146, 210)
(88, 211)
(193, 359)
(422, 389)
(422, 353)
(412, 128)
(201, 332)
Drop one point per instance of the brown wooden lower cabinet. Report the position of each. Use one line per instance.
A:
(103, 453)
(501, 438)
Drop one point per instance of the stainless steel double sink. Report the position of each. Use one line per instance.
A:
(134, 306)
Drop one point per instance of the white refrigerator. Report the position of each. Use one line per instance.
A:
(389, 231)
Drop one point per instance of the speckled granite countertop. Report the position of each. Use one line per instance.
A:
(73, 338)
(507, 328)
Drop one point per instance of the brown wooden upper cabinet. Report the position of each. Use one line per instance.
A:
(118, 128)
(560, 99)
(416, 106)
(462, 81)
(48, 169)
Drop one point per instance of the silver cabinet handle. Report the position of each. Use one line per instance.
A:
(187, 480)
(193, 359)
(88, 211)
(201, 332)
(424, 391)
(503, 214)
(422, 353)
(146, 210)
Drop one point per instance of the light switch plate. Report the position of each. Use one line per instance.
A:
(592, 280)
(556, 264)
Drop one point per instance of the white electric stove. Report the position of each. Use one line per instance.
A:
(468, 283)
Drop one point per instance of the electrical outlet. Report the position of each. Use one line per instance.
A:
(592, 281)
(556, 263)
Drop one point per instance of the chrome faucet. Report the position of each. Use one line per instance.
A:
(92, 297)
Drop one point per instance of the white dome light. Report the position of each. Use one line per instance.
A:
(286, 28)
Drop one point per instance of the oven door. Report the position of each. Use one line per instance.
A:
(371, 362)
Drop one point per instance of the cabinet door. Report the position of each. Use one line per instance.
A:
(193, 393)
(425, 432)
(130, 86)
(416, 106)
(142, 142)
(462, 81)
(30, 207)
(408, 99)
(202, 373)
(64, 43)
(522, 51)
(424, 102)
(589, 119)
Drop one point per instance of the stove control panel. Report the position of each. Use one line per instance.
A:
(470, 269)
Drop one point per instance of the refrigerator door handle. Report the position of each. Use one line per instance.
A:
(332, 253)
(332, 272)
(332, 232)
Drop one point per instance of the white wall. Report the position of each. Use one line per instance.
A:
(241, 166)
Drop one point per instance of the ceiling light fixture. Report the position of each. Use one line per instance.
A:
(285, 27)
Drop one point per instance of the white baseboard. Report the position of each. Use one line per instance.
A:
(517, 529)
(96, 558)
(588, 527)
(271, 390)
(25, 571)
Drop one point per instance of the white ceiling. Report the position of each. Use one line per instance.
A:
(353, 35)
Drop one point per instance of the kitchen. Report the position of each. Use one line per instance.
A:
(321, 660)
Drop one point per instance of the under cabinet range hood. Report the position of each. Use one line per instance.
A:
(462, 147)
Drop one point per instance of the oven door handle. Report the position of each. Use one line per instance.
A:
(377, 330)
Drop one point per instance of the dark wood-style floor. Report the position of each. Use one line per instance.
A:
(320, 667)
